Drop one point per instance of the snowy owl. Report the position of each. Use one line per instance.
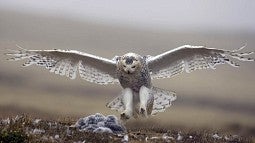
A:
(132, 71)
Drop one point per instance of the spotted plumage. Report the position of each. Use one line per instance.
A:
(132, 71)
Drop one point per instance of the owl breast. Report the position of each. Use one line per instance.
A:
(135, 80)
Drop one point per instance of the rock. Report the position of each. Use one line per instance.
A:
(216, 136)
(102, 130)
(38, 131)
(100, 123)
(179, 137)
(125, 139)
(111, 119)
(56, 137)
(36, 121)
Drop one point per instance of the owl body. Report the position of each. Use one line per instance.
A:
(141, 77)
(133, 81)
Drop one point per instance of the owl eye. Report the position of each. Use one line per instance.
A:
(124, 66)
(133, 67)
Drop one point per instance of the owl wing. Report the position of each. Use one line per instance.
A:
(189, 58)
(68, 62)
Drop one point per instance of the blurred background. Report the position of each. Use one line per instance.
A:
(215, 99)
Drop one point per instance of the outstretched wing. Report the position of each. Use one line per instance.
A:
(69, 62)
(189, 58)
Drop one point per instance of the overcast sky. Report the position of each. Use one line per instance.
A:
(234, 15)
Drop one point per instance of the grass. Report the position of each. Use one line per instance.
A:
(26, 129)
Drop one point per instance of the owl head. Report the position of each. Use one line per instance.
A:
(130, 62)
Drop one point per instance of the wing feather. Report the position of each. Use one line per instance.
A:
(68, 63)
(189, 58)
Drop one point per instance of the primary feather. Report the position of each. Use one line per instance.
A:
(189, 58)
(69, 62)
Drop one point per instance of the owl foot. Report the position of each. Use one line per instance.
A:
(143, 112)
(124, 116)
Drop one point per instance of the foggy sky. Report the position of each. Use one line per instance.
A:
(237, 15)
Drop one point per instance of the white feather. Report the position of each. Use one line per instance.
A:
(66, 62)
(190, 58)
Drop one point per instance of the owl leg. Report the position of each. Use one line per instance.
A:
(128, 103)
(144, 98)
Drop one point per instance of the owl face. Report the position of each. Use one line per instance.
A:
(130, 63)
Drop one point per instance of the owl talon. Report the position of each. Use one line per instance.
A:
(124, 116)
(143, 112)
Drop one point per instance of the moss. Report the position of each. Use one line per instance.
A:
(13, 137)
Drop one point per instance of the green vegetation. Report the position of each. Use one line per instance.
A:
(13, 137)
(12, 131)
(25, 129)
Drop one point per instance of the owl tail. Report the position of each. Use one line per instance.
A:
(116, 104)
(162, 99)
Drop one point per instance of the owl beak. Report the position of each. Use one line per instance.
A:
(127, 71)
